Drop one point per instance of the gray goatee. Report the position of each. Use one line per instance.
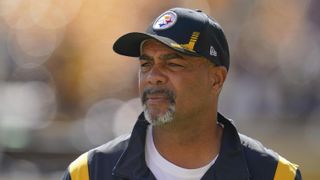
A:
(159, 119)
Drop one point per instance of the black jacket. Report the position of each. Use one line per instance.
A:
(240, 158)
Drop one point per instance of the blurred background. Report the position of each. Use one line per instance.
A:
(63, 90)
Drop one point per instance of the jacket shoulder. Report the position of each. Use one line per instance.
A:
(109, 152)
(78, 169)
(103, 157)
(114, 146)
(264, 163)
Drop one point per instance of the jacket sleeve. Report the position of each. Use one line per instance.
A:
(78, 169)
(298, 175)
(66, 175)
(287, 170)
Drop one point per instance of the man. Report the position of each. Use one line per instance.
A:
(184, 60)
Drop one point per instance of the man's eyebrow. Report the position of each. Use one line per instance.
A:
(163, 57)
(145, 57)
(171, 56)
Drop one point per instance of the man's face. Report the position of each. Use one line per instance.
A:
(172, 86)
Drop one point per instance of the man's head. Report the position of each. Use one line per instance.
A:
(184, 59)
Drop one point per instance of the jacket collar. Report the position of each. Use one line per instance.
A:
(231, 163)
(132, 164)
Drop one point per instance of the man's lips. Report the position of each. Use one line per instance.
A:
(157, 96)
(154, 99)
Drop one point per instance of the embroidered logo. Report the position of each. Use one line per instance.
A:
(166, 20)
(213, 52)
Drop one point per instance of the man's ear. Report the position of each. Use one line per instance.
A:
(218, 75)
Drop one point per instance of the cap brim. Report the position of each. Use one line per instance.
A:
(129, 44)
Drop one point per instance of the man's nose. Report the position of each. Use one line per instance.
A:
(156, 76)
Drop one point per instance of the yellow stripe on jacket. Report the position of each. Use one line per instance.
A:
(78, 169)
(285, 170)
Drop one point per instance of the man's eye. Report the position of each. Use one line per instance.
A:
(175, 65)
(145, 64)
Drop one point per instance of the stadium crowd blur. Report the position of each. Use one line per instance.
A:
(63, 90)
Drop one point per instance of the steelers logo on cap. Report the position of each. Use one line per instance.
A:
(165, 20)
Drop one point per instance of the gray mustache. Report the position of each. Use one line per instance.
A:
(150, 91)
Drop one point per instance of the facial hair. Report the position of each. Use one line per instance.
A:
(163, 118)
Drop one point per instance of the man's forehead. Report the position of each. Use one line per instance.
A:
(151, 44)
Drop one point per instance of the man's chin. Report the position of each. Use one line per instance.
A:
(156, 114)
(157, 118)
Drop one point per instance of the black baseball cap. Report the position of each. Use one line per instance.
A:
(190, 32)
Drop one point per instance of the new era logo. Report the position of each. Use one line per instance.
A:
(213, 52)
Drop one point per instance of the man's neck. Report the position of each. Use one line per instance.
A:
(188, 144)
